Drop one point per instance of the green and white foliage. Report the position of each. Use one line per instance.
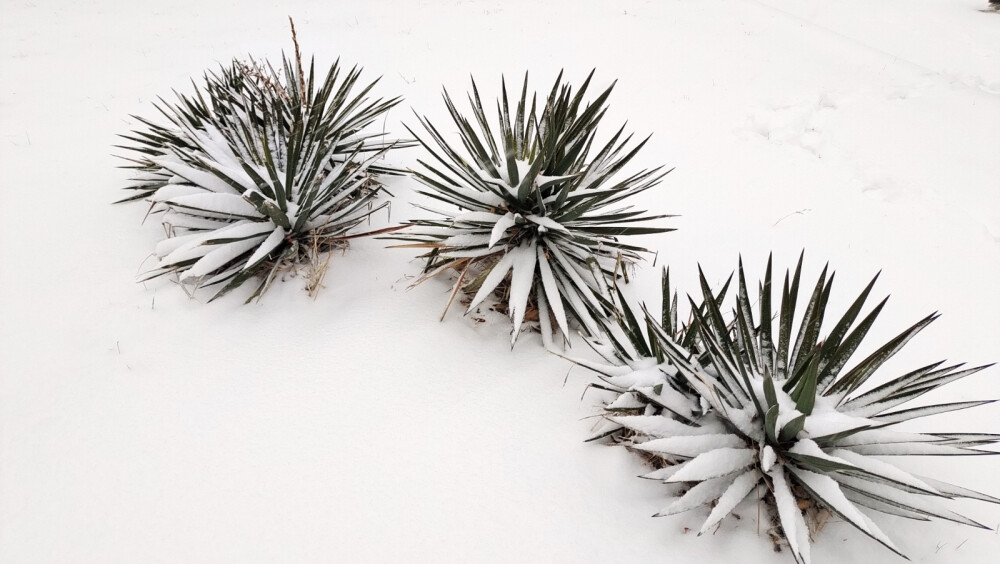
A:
(259, 171)
(533, 208)
(784, 419)
(635, 369)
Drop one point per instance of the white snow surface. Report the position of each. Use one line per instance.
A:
(138, 425)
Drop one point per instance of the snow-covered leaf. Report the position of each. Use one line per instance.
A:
(269, 244)
(493, 279)
(501, 227)
(702, 493)
(551, 289)
(523, 264)
(223, 205)
(659, 426)
(691, 446)
(792, 522)
(734, 494)
(220, 256)
(546, 222)
(715, 463)
(827, 492)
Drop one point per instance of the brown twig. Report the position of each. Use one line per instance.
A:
(458, 286)
(257, 73)
(377, 232)
(317, 271)
(298, 64)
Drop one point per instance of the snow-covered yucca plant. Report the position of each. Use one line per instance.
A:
(779, 414)
(265, 170)
(532, 215)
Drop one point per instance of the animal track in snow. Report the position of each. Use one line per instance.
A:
(798, 124)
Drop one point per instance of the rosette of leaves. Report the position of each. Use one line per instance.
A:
(534, 208)
(789, 421)
(264, 170)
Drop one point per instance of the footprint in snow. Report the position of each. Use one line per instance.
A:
(798, 124)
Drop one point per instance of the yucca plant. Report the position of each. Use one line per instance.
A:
(530, 213)
(779, 414)
(264, 170)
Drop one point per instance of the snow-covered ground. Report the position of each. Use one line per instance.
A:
(137, 425)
